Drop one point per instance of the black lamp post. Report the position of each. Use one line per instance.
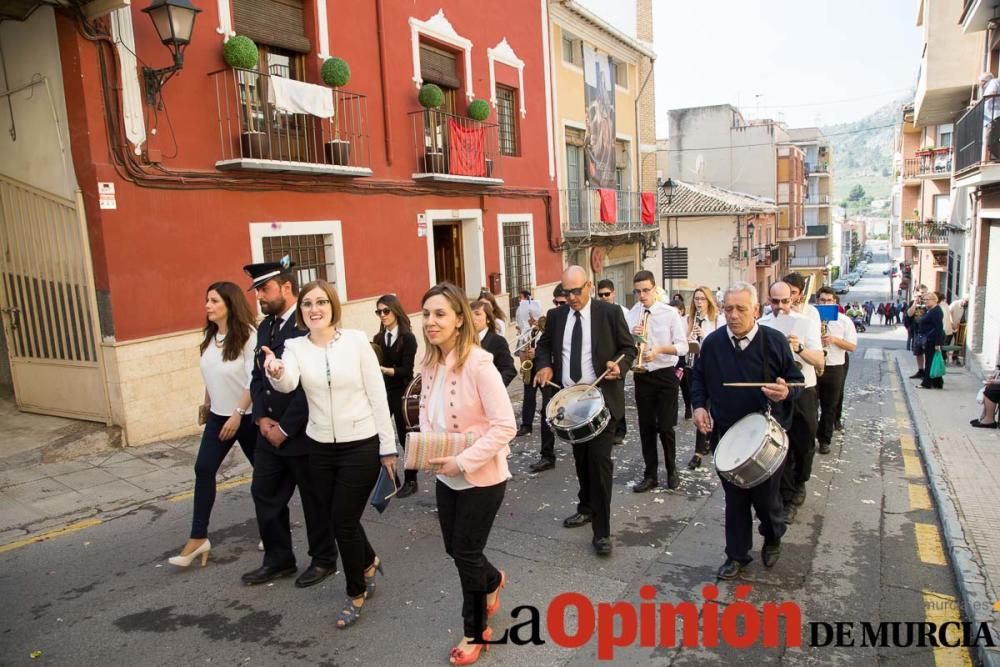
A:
(174, 23)
(668, 191)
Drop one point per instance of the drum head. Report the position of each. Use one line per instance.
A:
(574, 406)
(740, 442)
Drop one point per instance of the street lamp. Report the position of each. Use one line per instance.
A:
(668, 190)
(174, 23)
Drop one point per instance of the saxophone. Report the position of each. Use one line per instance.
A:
(640, 343)
(534, 333)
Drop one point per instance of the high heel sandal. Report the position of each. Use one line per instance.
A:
(459, 657)
(350, 614)
(185, 561)
(370, 581)
(495, 607)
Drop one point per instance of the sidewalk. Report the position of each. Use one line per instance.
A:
(963, 466)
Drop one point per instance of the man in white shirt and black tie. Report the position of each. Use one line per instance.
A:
(663, 342)
(606, 293)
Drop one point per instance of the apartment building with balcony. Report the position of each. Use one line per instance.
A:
(131, 191)
(604, 133)
(817, 205)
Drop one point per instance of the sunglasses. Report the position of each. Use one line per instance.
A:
(604, 295)
(781, 301)
(559, 302)
(382, 311)
(575, 291)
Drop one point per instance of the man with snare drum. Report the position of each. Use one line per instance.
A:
(737, 353)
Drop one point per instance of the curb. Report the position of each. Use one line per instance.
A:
(970, 578)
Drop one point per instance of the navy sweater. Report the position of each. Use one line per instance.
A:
(719, 362)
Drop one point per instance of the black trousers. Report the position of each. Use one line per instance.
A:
(395, 397)
(548, 450)
(594, 470)
(703, 441)
(466, 518)
(830, 392)
(343, 475)
(656, 401)
(211, 453)
(765, 500)
(801, 443)
(685, 383)
(847, 368)
(274, 480)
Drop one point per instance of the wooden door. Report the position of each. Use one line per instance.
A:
(448, 253)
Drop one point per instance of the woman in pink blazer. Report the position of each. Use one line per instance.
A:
(462, 392)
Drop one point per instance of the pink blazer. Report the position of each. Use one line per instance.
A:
(477, 402)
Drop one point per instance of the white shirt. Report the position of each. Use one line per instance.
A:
(394, 332)
(744, 344)
(809, 335)
(665, 327)
(586, 357)
(436, 403)
(842, 327)
(501, 328)
(956, 313)
(344, 388)
(946, 323)
(526, 311)
(227, 380)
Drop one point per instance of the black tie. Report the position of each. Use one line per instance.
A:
(275, 328)
(576, 349)
(737, 340)
(388, 339)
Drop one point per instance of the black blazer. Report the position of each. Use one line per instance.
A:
(497, 345)
(291, 411)
(609, 338)
(400, 356)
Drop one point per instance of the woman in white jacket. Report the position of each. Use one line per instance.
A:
(349, 427)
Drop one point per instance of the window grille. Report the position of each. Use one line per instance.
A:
(308, 251)
(507, 118)
(517, 259)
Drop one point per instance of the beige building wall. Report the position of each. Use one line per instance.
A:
(951, 64)
(709, 241)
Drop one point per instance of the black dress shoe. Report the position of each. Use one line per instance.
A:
(267, 573)
(673, 480)
(602, 546)
(646, 484)
(522, 432)
(770, 553)
(838, 425)
(313, 575)
(824, 448)
(730, 569)
(916, 376)
(542, 464)
(408, 489)
(695, 462)
(790, 512)
(576, 520)
(799, 497)
(619, 440)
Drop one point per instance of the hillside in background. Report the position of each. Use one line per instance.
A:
(863, 156)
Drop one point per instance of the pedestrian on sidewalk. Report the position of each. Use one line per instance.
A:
(991, 397)
(349, 430)
(840, 338)
(399, 352)
(227, 353)
(929, 339)
(914, 313)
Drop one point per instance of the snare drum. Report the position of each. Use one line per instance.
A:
(577, 414)
(751, 451)
(411, 404)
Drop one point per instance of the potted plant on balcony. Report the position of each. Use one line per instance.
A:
(925, 150)
(336, 73)
(479, 111)
(240, 53)
(431, 97)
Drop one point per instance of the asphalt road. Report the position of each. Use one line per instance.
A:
(858, 551)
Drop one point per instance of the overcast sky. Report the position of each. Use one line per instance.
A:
(812, 62)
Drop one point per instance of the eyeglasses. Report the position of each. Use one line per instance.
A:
(575, 291)
(644, 290)
(318, 303)
(781, 301)
(604, 295)
(559, 302)
(382, 311)
(700, 298)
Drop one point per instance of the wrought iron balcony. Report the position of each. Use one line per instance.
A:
(915, 231)
(454, 149)
(818, 169)
(934, 163)
(818, 199)
(978, 124)
(580, 210)
(767, 255)
(256, 133)
(810, 262)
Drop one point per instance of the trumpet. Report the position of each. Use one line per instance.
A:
(640, 342)
(826, 350)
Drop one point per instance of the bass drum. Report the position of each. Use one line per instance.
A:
(751, 451)
(411, 404)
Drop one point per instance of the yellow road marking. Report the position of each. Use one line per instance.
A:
(942, 609)
(919, 498)
(907, 443)
(49, 534)
(236, 481)
(929, 544)
(911, 465)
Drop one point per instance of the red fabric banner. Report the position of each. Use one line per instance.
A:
(609, 205)
(466, 150)
(648, 208)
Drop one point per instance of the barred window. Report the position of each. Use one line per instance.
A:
(517, 259)
(507, 118)
(310, 253)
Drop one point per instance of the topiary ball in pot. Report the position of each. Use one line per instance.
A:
(431, 96)
(240, 52)
(479, 110)
(336, 72)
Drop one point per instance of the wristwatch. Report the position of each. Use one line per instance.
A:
(240, 411)
(799, 351)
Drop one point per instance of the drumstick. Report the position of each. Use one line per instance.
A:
(761, 384)
(616, 361)
(550, 383)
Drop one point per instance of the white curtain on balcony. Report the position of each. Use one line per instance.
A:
(299, 97)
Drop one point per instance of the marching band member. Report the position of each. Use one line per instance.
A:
(399, 351)
(803, 337)
(704, 318)
(547, 455)
(491, 341)
(840, 338)
(664, 340)
(580, 343)
(737, 353)
(527, 315)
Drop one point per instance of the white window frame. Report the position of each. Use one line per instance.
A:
(528, 218)
(564, 36)
(439, 28)
(331, 229)
(616, 63)
(503, 53)
(473, 249)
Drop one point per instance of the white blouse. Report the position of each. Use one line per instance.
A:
(439, 422)
(227, 380)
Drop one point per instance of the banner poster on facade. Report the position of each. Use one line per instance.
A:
(599, 96)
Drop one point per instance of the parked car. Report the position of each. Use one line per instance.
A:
(840, 286)
(853, 278)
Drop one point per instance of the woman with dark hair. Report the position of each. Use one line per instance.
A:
(929, 337)
(499, 317)
(349, 430)
(399, 351)
(704, 318)
(227, 353)
(462, 392)
(491, 341)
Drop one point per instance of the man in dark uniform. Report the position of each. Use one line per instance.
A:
(579, 344)
(737, 353)
(281, 457)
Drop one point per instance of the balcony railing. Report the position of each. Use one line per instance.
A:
(978, 123)
(257, 133)
(767, 255)
(808, 262)
(915, 231)
(455, 149)
(817, 169)
(817, 230)
(820, 199)
(935, 163)
(581, 213)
